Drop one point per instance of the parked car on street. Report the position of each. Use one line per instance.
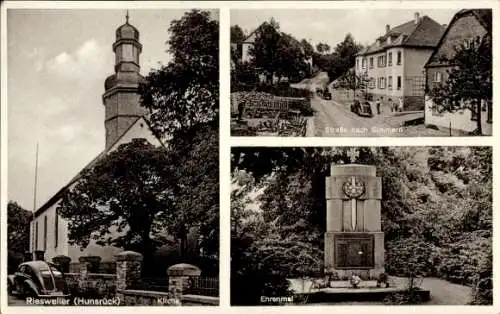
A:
(38, 279)
(362, 108)
(326, 94)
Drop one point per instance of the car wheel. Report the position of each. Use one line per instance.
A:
(30, 293)
(20, 291)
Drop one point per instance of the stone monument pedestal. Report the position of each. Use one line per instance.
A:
(354, 241)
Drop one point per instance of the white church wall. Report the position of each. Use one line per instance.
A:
(48, 242)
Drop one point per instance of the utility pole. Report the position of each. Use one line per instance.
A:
(35, 184)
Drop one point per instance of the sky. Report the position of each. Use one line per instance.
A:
(58, 60)
(331, 25)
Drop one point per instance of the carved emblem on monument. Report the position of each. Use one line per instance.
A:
(353, 187)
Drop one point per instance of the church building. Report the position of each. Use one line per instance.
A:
(124, 121)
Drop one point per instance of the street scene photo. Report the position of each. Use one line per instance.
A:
(361, 72)
(361, 225)
(113, 157)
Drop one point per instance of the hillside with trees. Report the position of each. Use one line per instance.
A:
(436, 201)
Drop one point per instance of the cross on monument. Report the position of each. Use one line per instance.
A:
(353, 153)
(127, 17)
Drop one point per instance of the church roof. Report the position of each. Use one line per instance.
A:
(54, 199)
(127, 31)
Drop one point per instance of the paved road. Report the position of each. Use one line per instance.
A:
(15, 301)
(335, 119)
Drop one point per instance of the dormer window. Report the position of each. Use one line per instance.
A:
(469, 43)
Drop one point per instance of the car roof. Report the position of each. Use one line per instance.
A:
(36, 264)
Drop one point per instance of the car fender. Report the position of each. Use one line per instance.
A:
(10, 279)
(32, 286)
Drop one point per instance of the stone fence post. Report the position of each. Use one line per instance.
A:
(179, 278)
(63, 262)
(128, 271)
(28, 256)
(39, 255)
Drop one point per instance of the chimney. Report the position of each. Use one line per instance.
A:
(387, 28)
(417, 17)
(445, 25)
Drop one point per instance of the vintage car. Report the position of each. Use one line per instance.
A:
(37, 279)
(362, 108)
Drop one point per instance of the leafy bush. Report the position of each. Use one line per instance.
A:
(244, 78)
(411, 257)
(466, 259)
(483, 282)
(284, 90)
(403, 298)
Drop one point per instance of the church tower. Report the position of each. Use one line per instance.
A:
(121, 96)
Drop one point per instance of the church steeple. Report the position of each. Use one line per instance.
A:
(121, 97)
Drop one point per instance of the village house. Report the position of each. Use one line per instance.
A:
(393, 65)
(466, 26)
(124, 121)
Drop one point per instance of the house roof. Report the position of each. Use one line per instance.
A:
(246, 40)
(483, 16)
(425, 33)
(56, 197)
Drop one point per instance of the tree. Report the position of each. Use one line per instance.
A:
(307, 48)
(18, 233)
(237, 34)
(120, 200)
(290, 58)
(351, 81)
(323, 48)
(469, 80)
(185, 91)
(184, 100)
(346, 56)
(196, 206)
(263, 51)
(18, 227)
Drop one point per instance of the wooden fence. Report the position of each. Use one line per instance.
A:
(261, 104)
